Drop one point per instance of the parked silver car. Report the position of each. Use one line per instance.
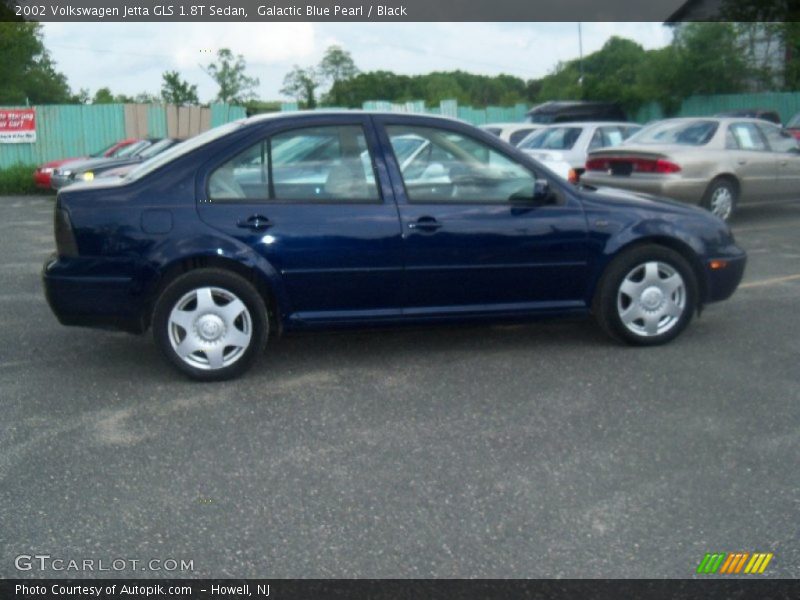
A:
(713, 162)
(566, 145)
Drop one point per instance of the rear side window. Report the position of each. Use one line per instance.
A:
(747, 136)
(330, 163)
(552, 138)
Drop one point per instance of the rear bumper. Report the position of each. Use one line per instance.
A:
(90, 301)
(677, 188)
(722, 282)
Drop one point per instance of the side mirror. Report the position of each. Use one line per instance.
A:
(541, 195)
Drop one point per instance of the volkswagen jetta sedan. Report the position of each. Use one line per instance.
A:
(309, 220)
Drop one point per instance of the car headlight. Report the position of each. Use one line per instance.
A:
(87, 176)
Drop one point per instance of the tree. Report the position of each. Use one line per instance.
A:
(337, 65)
(301, 84)
(174, 90)
(27, 72)
(103, 96)
(229, 73)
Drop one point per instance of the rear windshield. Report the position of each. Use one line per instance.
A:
(686, 133)
(552, 138)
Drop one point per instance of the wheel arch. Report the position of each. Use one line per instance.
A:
(683, 248)
(265, 281)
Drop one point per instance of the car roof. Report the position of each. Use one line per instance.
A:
(592, 124)
(308, 114)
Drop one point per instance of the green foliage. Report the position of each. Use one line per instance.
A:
(301, 84)
(27, 72)
(175, 90)
(475, 90)
(337, 65)
(229, 72)
(255, 107)
(18, 179)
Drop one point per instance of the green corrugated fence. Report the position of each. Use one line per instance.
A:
(65, 130)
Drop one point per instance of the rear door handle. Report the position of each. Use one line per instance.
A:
(255, 222)
(425, 224)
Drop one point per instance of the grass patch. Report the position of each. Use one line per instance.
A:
(18, 179)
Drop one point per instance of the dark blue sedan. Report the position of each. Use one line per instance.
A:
(312, 220)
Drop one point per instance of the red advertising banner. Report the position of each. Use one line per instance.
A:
(17, 125)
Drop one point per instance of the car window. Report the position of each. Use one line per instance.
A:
(519, 135)
(688, 133)
(552, 138)
(778, 140)
(607, 136)
(330, 163)
(747, 136)
(453, 168)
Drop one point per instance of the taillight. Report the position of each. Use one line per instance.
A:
(65, 237)
(632, 165)
(572, 176)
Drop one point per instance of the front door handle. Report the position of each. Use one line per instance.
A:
(425, 224)
(255, 222)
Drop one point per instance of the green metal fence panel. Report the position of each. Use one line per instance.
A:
(157, 120)
(225, 113)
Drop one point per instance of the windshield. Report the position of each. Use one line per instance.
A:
(686, 133)
(132, 149)
(156, 148)
(794, 121)
(552, 138)
(179, 150)
(102, 152)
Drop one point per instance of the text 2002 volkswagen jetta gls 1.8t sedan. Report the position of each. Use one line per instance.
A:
(340, 219)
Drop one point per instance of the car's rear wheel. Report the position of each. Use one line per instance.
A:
(647, 296)
(211, 324)
(720, 198)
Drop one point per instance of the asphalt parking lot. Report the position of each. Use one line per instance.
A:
(540, 450)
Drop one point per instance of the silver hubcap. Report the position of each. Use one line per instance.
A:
(722, 202)
(210, 328)
(651, 299)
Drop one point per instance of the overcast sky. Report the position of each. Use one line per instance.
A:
(130, 57)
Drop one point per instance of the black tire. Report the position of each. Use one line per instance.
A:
(721, 197)
(610, 300)
(222, 285)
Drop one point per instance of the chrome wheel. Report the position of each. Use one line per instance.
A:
(721, 202)
(210, 328)
(651, 299)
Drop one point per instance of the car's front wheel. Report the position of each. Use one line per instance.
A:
(647, 296)
(211, 324)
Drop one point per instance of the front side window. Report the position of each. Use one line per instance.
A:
(330, 163)
(451, 167)
(778, 140)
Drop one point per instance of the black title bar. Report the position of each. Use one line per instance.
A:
(396, 10)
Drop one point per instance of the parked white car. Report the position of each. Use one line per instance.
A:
(564, 146)
(513, 133)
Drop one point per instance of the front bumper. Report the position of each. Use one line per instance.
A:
(85, 300)
(722, 281)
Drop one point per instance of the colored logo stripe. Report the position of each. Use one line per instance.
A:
(734, 562)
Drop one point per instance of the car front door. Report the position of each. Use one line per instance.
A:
(787, 156)
(309, 199)
(474, 238)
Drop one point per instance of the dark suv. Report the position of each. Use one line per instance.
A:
(575, 110)
(318, 219)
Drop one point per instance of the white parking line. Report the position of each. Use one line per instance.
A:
(772, 281)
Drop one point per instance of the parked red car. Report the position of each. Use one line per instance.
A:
(41, 176)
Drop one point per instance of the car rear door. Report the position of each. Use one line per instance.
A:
(472, 243)
(755, 166)
(310, 199)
